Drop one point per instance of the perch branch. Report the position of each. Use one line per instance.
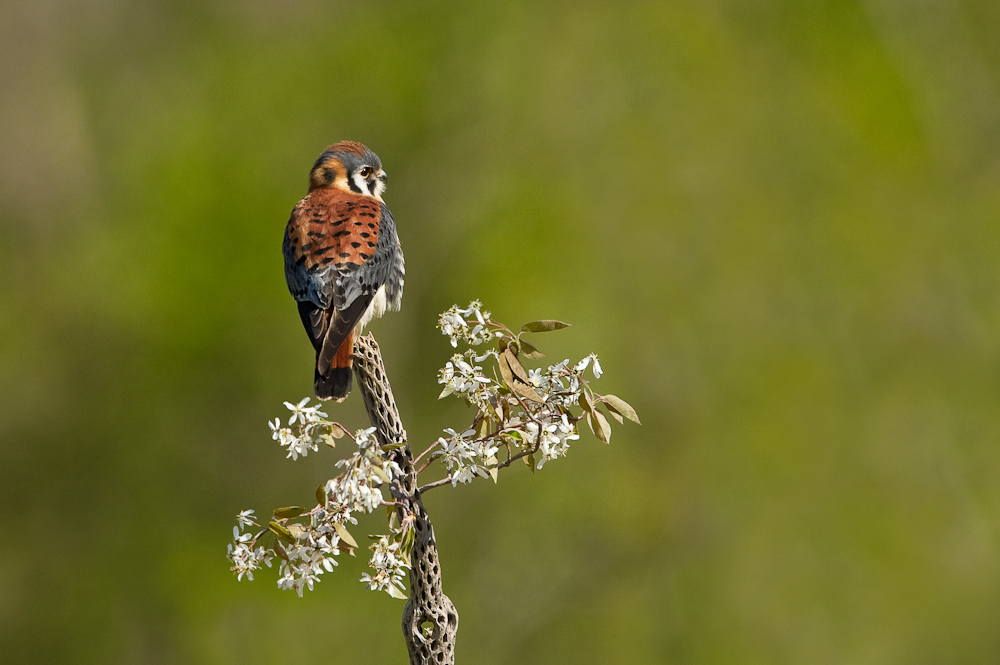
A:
(430, 621)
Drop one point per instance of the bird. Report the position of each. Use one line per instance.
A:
(343, 262)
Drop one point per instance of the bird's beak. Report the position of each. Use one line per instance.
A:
(383, 176)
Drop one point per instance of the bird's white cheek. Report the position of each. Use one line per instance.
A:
(361, 184)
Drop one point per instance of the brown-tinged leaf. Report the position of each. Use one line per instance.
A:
(482, 428)
(280, 551)
(530, 461)
(448, 389)
(586, 400)
(321, 496)
(617, 416)
(526, 391)
(337, 430)
(345, 535)
(543, 325)
(508, 376)
(530, 351)
(589, 416)
(297, 530)
(519, 382)
(515, 365)
(290, 511)
(618, 405)
(603, 426)
(281, 532)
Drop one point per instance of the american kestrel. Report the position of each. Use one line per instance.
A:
(343, 262)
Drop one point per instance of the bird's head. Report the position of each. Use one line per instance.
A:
(349, 166)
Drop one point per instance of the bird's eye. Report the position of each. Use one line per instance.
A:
(366, 171)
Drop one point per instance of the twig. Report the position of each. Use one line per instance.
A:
(421, 456)
(436, 483)
(524, 453)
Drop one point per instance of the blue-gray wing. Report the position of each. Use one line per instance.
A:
(339, 249)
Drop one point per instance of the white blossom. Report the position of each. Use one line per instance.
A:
(389, 566)
(555, 439)
(245, 519)
(304, 414)
(583, 364)
(460, 375)
(246, 559)
(307, 428)
(455, 324)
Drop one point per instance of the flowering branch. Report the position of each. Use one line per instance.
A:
(529, 414)
(532, 412)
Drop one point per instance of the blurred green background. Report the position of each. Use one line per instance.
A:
(774, 221)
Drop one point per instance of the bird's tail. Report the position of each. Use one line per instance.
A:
(336, 382)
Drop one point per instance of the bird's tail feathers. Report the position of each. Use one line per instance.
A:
(334, 385)
(336, 381)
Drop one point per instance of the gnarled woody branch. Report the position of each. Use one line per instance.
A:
(430, 621)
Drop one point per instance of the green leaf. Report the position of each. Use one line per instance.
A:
(281, 532)
(406, 540)
(530, 351)
(382, 475)
(321, 496)
(289, 512)
(345, 535)
(543, 325)
(603, 430)
(620, 406)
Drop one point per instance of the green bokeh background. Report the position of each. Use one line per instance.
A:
(775, 222)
